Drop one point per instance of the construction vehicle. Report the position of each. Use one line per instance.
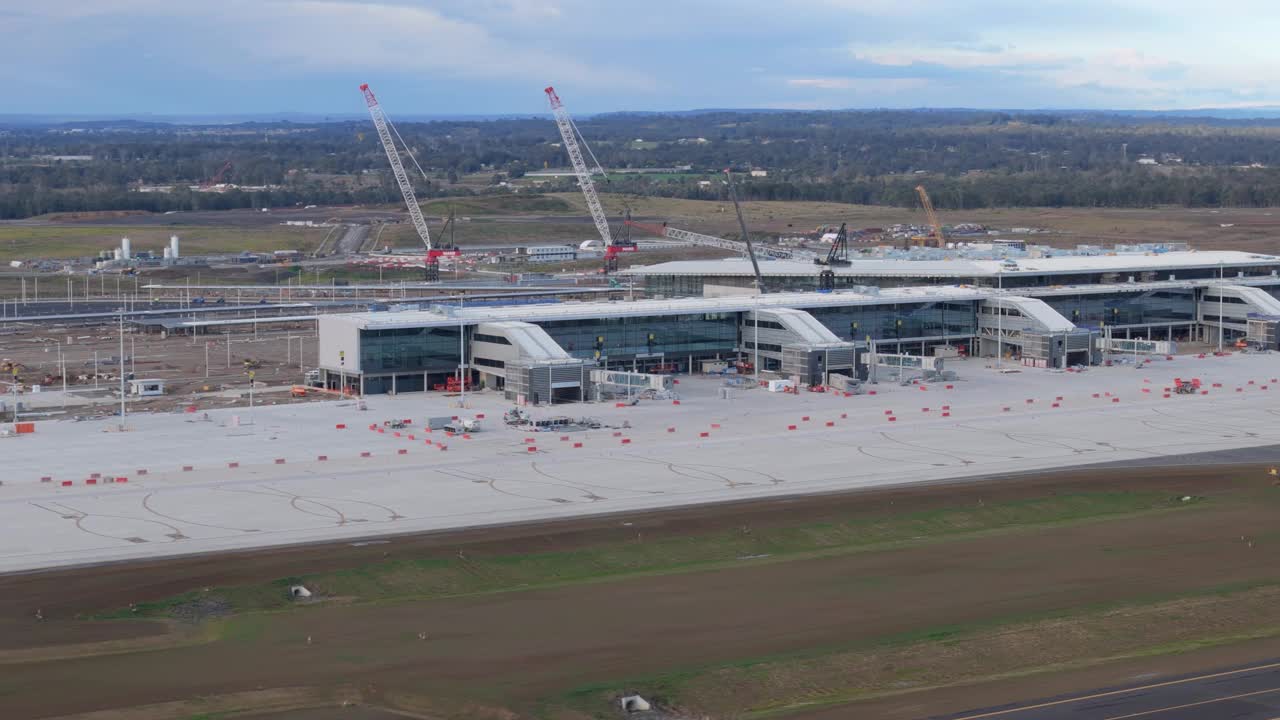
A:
(251, 364)
(936, 238)
(385, 129)
(746, 236)
(570, 134)
(1182, 387)
(837, 256)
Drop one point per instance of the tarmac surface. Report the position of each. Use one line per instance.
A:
(281, 475)
(1249, 692)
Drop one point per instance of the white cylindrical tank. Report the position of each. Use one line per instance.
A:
(168, 253)
(173, 246)
(118, 254)
(126, 251)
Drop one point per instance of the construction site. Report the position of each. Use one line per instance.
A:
(367, 498)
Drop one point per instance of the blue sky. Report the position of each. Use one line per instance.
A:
(116, 57)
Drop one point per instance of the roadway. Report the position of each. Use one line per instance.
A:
(1250, 692)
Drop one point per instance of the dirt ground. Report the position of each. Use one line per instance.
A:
(178, 360)
(520, 650)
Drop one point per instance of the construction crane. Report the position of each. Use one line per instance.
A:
(838, 255)
(569, 134)
(936, 239)
(220, 175)
(406, 189)
(746, 236)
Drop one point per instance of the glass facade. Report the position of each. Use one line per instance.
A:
(409, 350)
(621, 338)
(1092, 310)
(902, 320)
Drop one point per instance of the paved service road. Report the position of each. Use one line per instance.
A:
(1243, 693)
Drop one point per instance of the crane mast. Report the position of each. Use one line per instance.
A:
(568, 133)
(402, 179)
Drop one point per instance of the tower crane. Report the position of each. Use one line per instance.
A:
(569, 134)
(937, 239)
(406, 189)
(746, 236)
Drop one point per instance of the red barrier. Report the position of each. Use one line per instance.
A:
(675, 402)
(1250, 382)
(427, 442)
(1146, 390)
(443, 447)
(946, 414)
(924, 409)
(46, 478)
(322, 458)
(466, 436)
(142, 471)
(528, 440)
(187, 468)
(791, 427)
(91, 481)
(1204, 392)
(232, 465)
(805, 418)
(340, 426)
(1239, 390)
(449, 433)
(1115, 399)
(1166, 395)
(950, 387)
(66, 483)
(704, 434)
(122, 479)
(619, 404)
(871, 392)
(888, 412)
(577, 444)
(279, 461)
(830, 423)
(1097, 395)
(412, 437)
(396, 434)
(479, 416)
(1058, 398)
(617, 433)
(402, 451)
(671, 429)
(95, 476)
(366, 453)
(373, 426)
(893, 419)
(1005, 409)
(564, 438)
(626, 441)
(715, 426)
(923, 388)
(844, 416)
(531, 448)
(1056, 405)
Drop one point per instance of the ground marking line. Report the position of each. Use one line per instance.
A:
(1110, 693)
(1194, 704)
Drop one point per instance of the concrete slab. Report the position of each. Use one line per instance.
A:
(255, 478)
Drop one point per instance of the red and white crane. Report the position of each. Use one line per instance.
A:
(406, 189)
(569, 134)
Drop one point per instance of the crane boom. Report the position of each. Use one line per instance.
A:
(701, 239)
(570, 138)
(933, 216)
(397, 169)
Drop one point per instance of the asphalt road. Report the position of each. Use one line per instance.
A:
(1250, 692)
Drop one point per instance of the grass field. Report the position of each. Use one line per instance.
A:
(805, 608)
(438, 577)
(20, 242)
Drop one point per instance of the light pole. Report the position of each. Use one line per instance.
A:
(122, 386)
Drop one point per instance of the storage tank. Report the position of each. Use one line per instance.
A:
(118, 254)
(168, 253)
(126, 252)
(173, 246)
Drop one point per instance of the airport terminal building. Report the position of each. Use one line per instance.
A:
(540, 353)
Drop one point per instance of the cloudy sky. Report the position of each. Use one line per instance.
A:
(495, 56)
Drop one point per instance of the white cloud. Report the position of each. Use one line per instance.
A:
(859, 84)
